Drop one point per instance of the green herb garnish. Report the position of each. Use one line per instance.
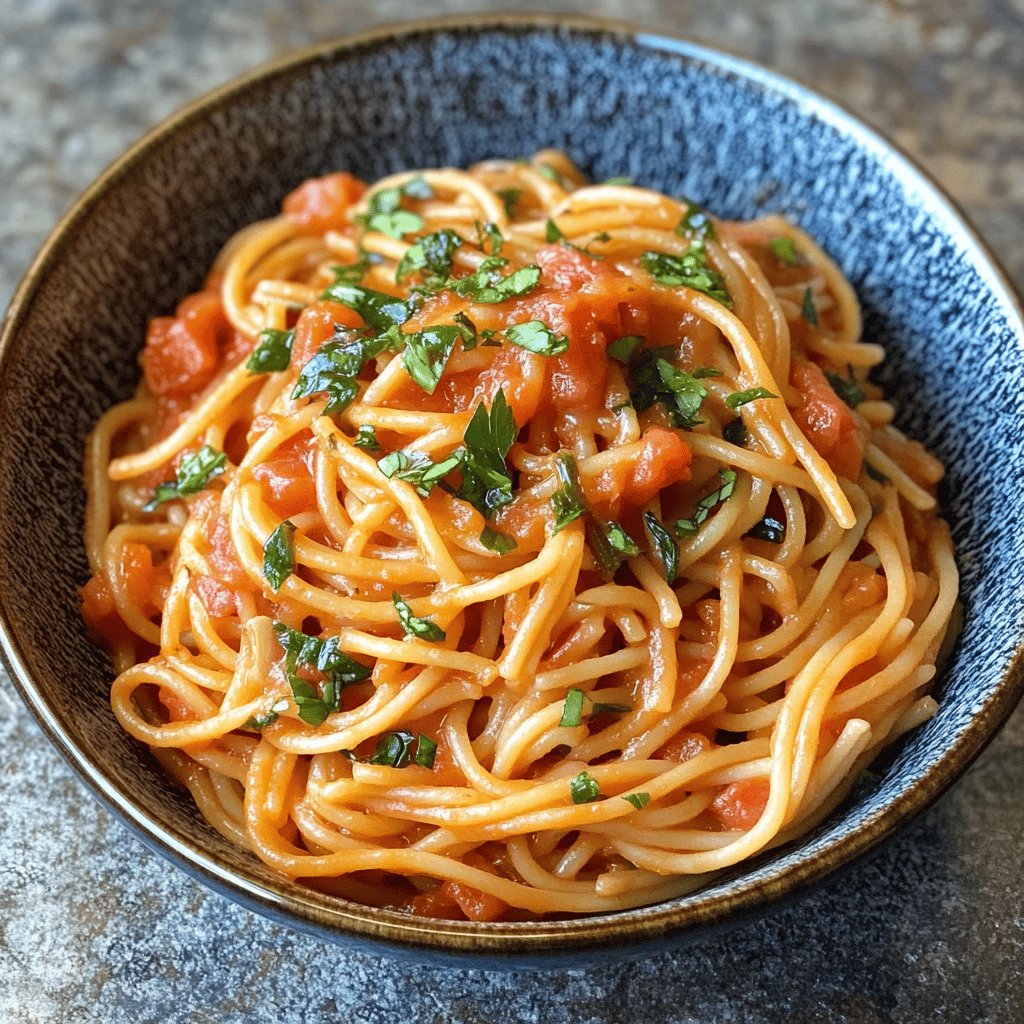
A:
(279, 555)
(493, 540)
(735, 432)
(267, 717)
(424, 629)
(696, 225)
(273, 353)
(334, 368)
(584, 789)
(654, 378)
(510, 197)
(426, 749)
(486, 480)
(194, 473)
(431, 254)
(622, 349)
(688, 527)
(848, 390)
(418, 469)
(488, 286)
(784, 250)
(385, 213)
(638, 800)
(394, 749)
(572, 710)
(426, 354)
(367, 438)
(768, 529)
(690, 270)
(738, 398)
(536, 336)
(380, 310)
(665, 546)
(807, 308)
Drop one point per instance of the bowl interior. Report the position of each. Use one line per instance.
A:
(674, 117)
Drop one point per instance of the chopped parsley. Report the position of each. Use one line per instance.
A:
(553, 233)
(380, 310)
(493, 540)
(488, 285)
(572, 709)
(622, 349)
(273, 353)
(268, 717)
(653, 378)
(848, 390)
(568, 500)
(738, 398)
(194, 473)
(426, 354)
(486, 480)
(367, 438)
(665, 546)
(489, 234)
(696, 225)
(423, 629)
(418, 469)
(619, 180)
(584, 788)
(690, 270)
(727, 484)
(394, 749)
(784, 250)
(807, 308)
(334, 368)
(547, 171)
(353, 273)
(279, 555)
(535, 336)
(432, 254)
(302, 650)
(638, 800)
(426, 749)
(385, 213)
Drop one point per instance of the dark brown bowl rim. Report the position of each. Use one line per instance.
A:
(310, 911)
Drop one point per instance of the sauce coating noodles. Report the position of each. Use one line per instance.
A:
(492, 544)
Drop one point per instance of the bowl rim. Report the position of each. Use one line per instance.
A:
(307, 910)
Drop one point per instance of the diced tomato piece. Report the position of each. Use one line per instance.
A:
(99, 611)
(316, 326)
(827, 421)
(288, 477)
(321, 204)
(683, 746)
(136, 569)
(476, 905)
(218, 600)
(182, 352)
(522, 375)
(664, 459)
(439, 903)
(568, 270)
(741, 804)
(223, 558)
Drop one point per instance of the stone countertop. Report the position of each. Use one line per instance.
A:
(93, 927)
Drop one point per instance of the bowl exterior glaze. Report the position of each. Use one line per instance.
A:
(674, 116)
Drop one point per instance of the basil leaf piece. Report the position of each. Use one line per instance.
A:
(378, 309)
(848, 390)
(194, 473)
(568, 500)
(385, 213)
(552, 232)
(501, 543)
(622, 349)
(367, 438)
(489, 233)
(784, 250)
(334, 368)
(665, 546)
(768, 529)
(418, 469)
(619, 539)
(426, 354)
(738, 398)
(638, 800)
(273, 353)
(486, 480)
(268, 717)
(535, 336)
(353, 273)
(431, 254)
(696, 224)
(610, 709)
(424, 629)
(620, 180)
(510, 197)
(735, 432)
(807, 308)
(426, 750)
(690, 270)
(584, 789)
(467, 331)
(279, 555)
(487, 285)
(572, 709)
(547, 171)
(394, 749)
(688, 527)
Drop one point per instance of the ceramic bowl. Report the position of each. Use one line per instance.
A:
(674, 116)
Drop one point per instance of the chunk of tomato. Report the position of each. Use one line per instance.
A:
(322, 204)
(741, 804)
(826, 420)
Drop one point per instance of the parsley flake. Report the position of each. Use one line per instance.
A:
(194, 473)
(535, 336)
(489, 436)
(584, 789)
(848, 390)
(279, 555)
(807, 308)
(688, 527)
(784, 250)
(665, 546)
(638, 800)
(418, 469)
(273, 353)
(690, 270)
(424, 629)
(738, 398)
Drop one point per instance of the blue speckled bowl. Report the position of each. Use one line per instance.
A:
(672, 115)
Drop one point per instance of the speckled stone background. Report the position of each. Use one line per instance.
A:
(95, 928)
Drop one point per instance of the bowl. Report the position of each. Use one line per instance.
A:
(674, 116)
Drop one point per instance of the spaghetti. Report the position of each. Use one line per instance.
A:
(493, 544)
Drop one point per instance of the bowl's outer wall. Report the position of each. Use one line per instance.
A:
(739, 142)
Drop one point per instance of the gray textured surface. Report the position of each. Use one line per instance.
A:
(94, 928)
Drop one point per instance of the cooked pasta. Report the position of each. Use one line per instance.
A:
(490, 544)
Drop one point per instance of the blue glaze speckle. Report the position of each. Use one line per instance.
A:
(674, 117)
